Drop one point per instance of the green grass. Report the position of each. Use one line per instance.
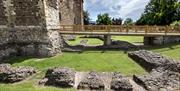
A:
(29, 86)
(131, 39)
(104, 61)
(91, 41)
(90, 60)
(171, 51)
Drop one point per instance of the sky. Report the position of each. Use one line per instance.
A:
(116, 8)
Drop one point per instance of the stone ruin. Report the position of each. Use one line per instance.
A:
(30, 27)
(120, 83)
(59, 77)
(10, 74)
(163, 75)
(159, 80)
(164, 72)
(66, 77)
(91, 81)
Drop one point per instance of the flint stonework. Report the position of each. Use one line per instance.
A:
(59, 77)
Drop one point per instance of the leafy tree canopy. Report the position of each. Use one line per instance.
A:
(160, 12)
(128, 21)
(175, 23)
(86, 17)
(117, 21)
(104, 19)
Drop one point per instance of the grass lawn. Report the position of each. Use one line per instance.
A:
(135, 39)
(91, 41)
(86, 61)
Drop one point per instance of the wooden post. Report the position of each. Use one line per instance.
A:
(135, 29)
(166, 30)
(146, 29)
(127, 29)
(120, 28)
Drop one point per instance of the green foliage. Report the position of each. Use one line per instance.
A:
(160, 12)
(176, 23)
(86, 18)
(117, 21)
(128, 21)
(104, 19)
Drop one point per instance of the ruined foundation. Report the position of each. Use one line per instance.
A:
(29, 28)
(164, 73)
(161, 40)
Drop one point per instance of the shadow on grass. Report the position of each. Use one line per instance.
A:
(169, 46)
(125, 50)
(15, 59)
(95, 49)
(18, 59)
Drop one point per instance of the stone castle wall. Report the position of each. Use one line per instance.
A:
(27, 12)
(27, 29)
(71, 12)
(30, 27)
(78, 10)
(3, 17)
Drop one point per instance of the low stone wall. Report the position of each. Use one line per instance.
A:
(88, 81)
(161, 40)
(34, 41)
(10, 74)
(164, 72)
(159, 80)
(150, 60)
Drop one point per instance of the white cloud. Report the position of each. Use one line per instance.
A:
(116, 8)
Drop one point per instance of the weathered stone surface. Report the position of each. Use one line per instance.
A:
(27, 12)
(161, 40)
(149, 60)
(120, 83)
(60, 77)
(3, 17)
(164, 72)
(71, 12)
(92, 81)
(4, 67)
(9, 74)
(159, 79)
(31, 29)
(69, 37)
(84, 42)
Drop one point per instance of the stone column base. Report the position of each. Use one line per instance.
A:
(107, 40)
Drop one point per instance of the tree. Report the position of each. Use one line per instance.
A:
(160, 12)
(175, 23)
(104, 19)
(86, 17)
(128, 21)
(117, 21)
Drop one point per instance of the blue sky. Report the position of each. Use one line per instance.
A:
(116, 8)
